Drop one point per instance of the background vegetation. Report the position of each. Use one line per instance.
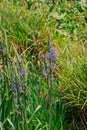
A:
(24, 92)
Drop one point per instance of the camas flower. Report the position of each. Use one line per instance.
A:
(51, 55)
(51, 65)
(44, 74)
(13, 85)
(22, 72)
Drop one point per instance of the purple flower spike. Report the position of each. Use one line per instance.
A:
(51, 66)
(22, 72)
(15, 95)
(52, 51)
(13, 85)
(44, 74)
(20, 88)
(51, 55)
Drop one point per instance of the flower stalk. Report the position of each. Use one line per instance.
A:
(50, 57)
(49, 86)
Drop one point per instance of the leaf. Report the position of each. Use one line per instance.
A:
(10, 122)
(38, 125)
(1, 126)
(34, 113)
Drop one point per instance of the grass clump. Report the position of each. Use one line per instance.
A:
(29, 101)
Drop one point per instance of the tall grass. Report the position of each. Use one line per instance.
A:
(24, 27)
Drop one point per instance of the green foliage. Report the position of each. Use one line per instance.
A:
(24, 28)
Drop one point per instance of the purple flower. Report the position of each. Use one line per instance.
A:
(22, 72)
(51, 55)
(16, 95)
(51, 65)
(13, 85)
(44, 74)
(53, 51)
(20, 88)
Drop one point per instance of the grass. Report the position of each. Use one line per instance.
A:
(24, 92)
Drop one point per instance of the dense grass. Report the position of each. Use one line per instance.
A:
(25, 28)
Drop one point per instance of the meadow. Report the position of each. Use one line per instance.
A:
(43, 65)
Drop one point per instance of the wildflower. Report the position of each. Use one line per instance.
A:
(51, 65)
(22, 72)
(51, 55)
(44, 74)
(16, 95)
(20, 88)
(13, 85)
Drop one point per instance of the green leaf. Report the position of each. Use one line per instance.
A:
(10, 122)
(1, 126)
(34, 113)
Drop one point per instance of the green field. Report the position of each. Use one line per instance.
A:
(43, 65)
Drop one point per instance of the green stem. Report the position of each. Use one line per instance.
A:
(50, 88)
